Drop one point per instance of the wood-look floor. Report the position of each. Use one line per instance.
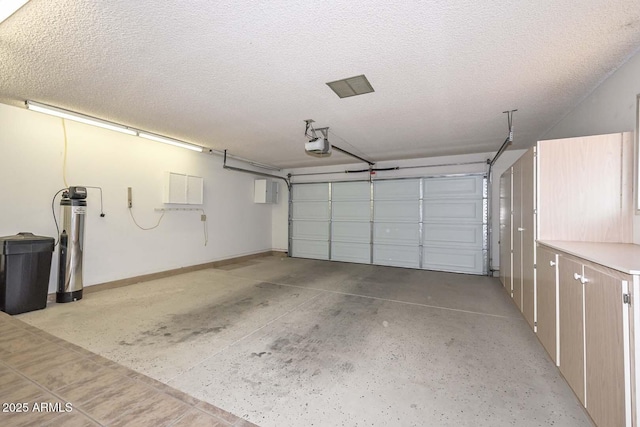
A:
(46, 381)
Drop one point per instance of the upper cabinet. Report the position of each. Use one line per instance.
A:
(585, 188)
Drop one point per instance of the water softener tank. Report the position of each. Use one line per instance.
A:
(74, 207)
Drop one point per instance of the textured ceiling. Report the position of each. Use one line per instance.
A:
(244, 75)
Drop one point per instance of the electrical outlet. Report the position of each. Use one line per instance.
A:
(129, 198)
(203, 217)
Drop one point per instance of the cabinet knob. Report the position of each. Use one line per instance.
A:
(552, 263)
(583, 280)
(520, 229)
(577, 276)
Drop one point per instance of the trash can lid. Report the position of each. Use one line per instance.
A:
(25, 243)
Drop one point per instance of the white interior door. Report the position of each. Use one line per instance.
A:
(396, 222)
(454, 224)
(351, 222)
(310, 221)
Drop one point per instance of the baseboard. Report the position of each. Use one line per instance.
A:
(168, 273)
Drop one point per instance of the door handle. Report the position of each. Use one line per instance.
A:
(582, 279)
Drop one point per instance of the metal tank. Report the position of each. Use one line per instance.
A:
(74, 207)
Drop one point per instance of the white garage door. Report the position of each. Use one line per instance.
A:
(454, 225)
(351, 222)
(310, 221)
(431, 223)
(396, 222)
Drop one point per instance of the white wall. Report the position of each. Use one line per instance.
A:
(610, 108)
(31, 165)
(280, 212)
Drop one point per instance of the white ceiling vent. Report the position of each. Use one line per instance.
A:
(352, 86)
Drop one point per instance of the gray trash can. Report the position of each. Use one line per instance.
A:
(25, 266)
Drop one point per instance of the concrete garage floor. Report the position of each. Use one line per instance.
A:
(294, 342)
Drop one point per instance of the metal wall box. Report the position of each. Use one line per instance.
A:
(265, 191)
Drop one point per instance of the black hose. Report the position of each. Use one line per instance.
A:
(53, 211)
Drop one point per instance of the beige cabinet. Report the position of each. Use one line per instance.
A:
(571, 325)
(516, 185)
(527, 232)
(547, 300)
(506, 238)
(606, 325)
(588, 327)
(517, 233)
(576, 190)
(585, 188)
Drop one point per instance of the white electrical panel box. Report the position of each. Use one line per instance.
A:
(183, 189)
(266, 191)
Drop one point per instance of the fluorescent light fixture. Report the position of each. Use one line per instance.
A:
(70, 115)
(170, 141)
(9, 7)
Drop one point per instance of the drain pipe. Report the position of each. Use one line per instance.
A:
(233, 168)
(492, 162)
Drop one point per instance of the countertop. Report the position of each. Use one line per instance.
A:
(623, 257)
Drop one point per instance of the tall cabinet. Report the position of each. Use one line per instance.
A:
(517, 233)
(571, 191)
(506, 231)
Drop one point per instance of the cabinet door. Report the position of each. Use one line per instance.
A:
(570, 299)
(527, 182)
(517, 234)
(604, 348)
(505, 230)
(547, 287)
(589, 203)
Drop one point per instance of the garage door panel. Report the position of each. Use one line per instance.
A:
(359, 210)
(310, 192)
(468, 236)
(396, 233)
(315, 249)
(311, 230)
(355, 232)
(396, 189)
(455, 260)
(433, 223)
(396, 211)
(454, 187)
(311, 210)
(398, 256)
(351, 252)
(350, 191)
(469, 211)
